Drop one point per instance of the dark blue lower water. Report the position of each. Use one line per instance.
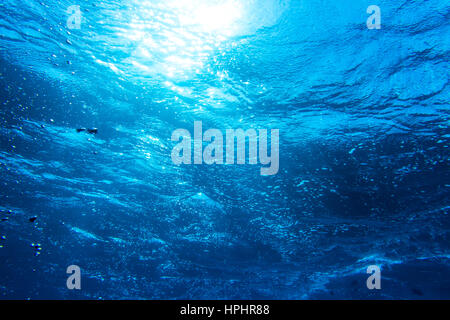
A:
(363, 119)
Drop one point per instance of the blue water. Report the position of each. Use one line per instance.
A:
(364, 163)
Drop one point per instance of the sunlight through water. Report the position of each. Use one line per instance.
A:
(173, 39)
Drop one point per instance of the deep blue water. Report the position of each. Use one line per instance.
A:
(364, 163)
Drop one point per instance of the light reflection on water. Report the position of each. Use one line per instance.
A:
(174, 39)
(362, 156)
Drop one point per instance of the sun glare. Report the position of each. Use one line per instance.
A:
(174, 38)
(219, 17)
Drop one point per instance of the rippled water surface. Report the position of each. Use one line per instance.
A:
(364, 132)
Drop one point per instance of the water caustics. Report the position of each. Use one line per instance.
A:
(363, 119)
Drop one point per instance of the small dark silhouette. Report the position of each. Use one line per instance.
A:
(33, 219)
(91, 131)
(417, 291)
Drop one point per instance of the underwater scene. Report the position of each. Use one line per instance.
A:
(224, 149)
